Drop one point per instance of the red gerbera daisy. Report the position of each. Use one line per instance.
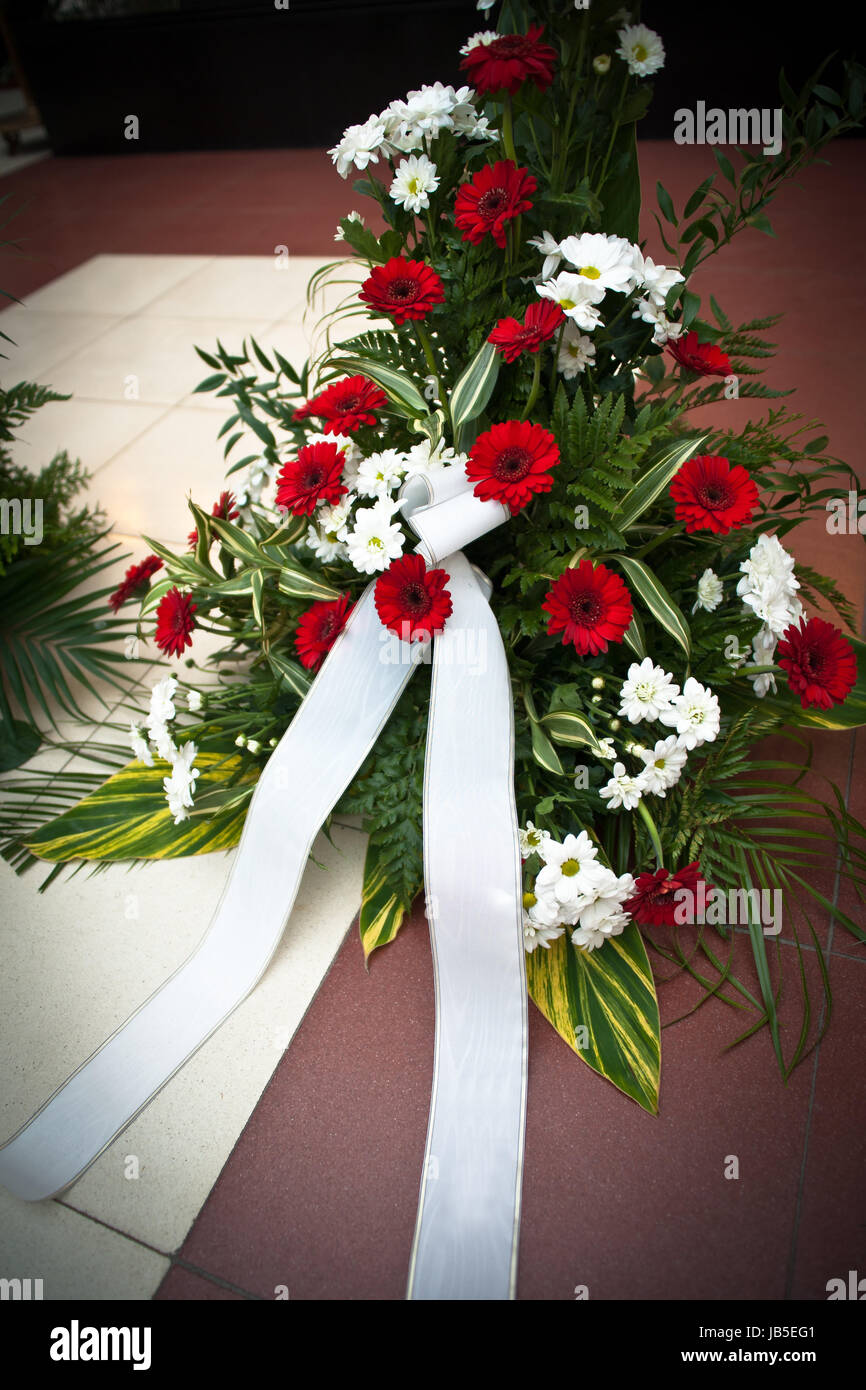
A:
(412, 600)
(225, 508)
(402, 289)
(497, 193)
(509, 61)
(712, 496)
(821, 663)
(540, 322)
(590, 606)
(654, 902)
(319, 629)
(345, 406)
(314, 476)
(704, 358)
(509, 463)
(174, 622)
(137, 578)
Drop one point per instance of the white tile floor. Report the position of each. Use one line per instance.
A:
(79, 958)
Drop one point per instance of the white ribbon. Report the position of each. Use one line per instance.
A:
(466, 1235)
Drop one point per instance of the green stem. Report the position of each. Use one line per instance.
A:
(427, 348)
(653, 833)
(556, 352)
(508, 129)
(536, 382)
(666, 535)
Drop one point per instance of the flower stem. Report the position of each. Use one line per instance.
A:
(536, 382)
(427, 348)
(508, 129)
(653, 834)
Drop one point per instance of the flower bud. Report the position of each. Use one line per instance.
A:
(601, 63)
(595, 699)
(598, 682)
(241, 741)
(615, 725)
(253, 745)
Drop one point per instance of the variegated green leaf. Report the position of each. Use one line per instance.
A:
(603, 1003)
(433, 425)
(154, 596)
(291, 673)
(654, 482)
(399, 388)
(257, 580)
(634, 637)
(299, 583)
(382, 913)
(128, 816)
(239, 543)
(473, 389)
(565, 726)
(657, 599)
(544, 752)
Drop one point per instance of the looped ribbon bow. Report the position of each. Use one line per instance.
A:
(465, 1244)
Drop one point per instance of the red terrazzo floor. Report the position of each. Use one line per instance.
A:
(319, 1194)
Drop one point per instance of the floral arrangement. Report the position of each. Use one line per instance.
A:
(656, 623)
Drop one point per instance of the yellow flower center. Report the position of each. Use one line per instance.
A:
(567, 304)
(640, 52)
(413, 185)
(570, 868)
(590, 271)
(529, 900)
(375, 540)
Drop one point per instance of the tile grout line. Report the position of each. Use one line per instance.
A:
(178, 1262)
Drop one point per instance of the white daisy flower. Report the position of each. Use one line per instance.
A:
(646, 691)
(379, 474)
(426, 457)
(562, 878)
(551, 251)
(601, 63)
(576, 351)
(641, 49)
(163, 743)
(541, 923)
(483, 36)
(532, 840)
(664, 329)
(376, 538)
(590, 938)
(325, 534)
(710, 592)
(360, 145)
(663, 765)
(193, 700)
(416, 178)
(576, 298)
(139, 746)
(622, 789)
(607, 749)
(601, 908)
(695, 715)
(180, 785)
(162, 702)
(428, 110)
(606, 262)
(763, 654)
(655, 280)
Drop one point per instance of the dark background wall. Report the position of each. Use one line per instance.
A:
(209, 74)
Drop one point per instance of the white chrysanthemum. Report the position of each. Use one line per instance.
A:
(641, 49)
(429, 109)
(768, 559)
(465, 119)
(532, 840)
(379, 474)
(576, 351)
(139, 747)
(180, 785)
(622, 790)
(664, 329)
(775, 604)
(376, 538)
(258, 476)
(550, 250)
(646, 691)
(541, 923)
(575, 297)
(162, 702)
(483, 36)
(763, 654)
(663, 765)
(601, 63)
(607, 749)
(695, 714)
(427, 457)
(562, 878)
(485, 4)
(416, 178)
(710, 592)
(163, 742)
(769, 585)
(360, 145)
(350, 217)
(601, 915)
(193, 700)
(605, 262)
(324, 536)
(656, 281)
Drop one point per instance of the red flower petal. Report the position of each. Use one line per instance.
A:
(654, 902)
(820, 662)
(411, 600)
(314, 476)
(590, 606)
(704, 358)
(174, 622)
(712, 496)
(496, 194)
(509, 463)
(135, 579)
(509, 61)
(540, 322)
(402, 289)
(345, 406)
(319, 628)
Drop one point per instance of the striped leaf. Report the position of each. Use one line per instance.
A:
(634, 637)
(544, 752)
(128, 816)
(432, 425)
(293, 675)
(603, 1003)
(257, 580)
(382, 913)
(399, 388)
(155, 594)
(239, 543)
(564, 726)
(473, 389)
(654, 482)
(299, 583)
(656, 598)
